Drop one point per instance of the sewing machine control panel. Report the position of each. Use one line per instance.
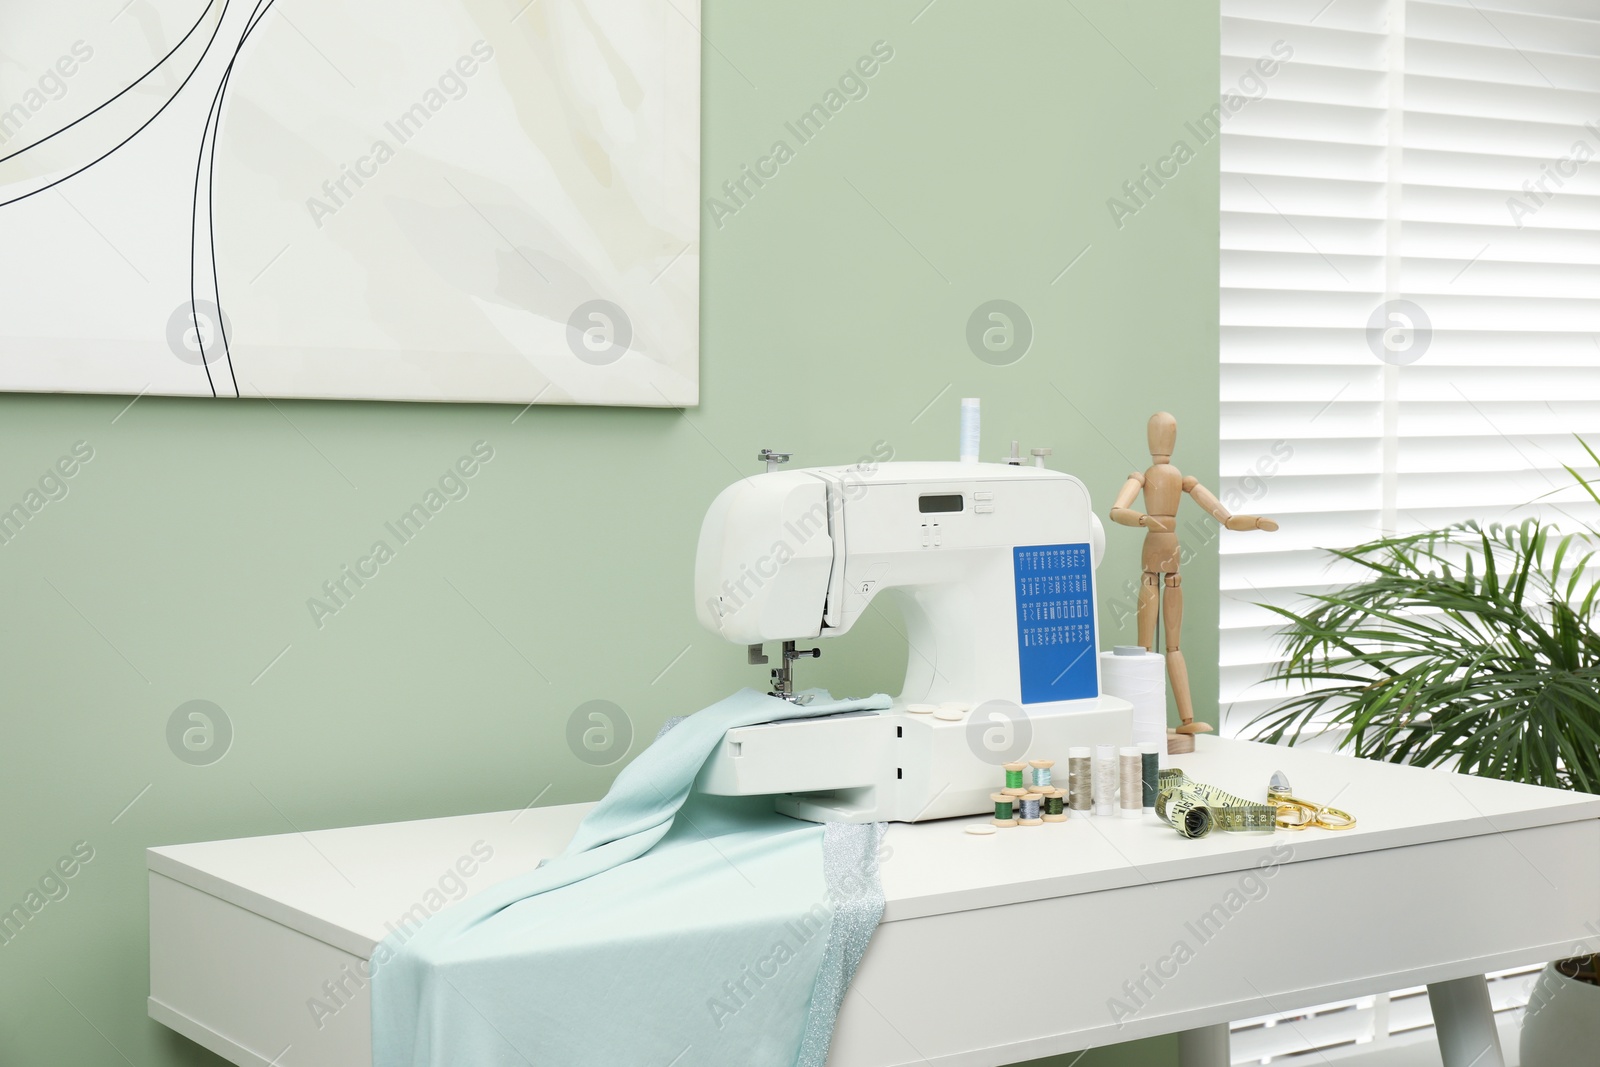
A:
(945, 505)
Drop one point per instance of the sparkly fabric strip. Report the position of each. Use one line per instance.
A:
(855, 899)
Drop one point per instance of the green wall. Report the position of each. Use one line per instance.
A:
(835, 305)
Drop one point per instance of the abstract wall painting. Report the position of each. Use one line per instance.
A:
(428, 200)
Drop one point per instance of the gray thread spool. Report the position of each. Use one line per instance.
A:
(1080, 781)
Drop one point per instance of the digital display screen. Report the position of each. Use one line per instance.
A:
(939, 503)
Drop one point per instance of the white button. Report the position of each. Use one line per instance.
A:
(984, 509)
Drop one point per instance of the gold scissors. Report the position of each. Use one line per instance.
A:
(1297, 814)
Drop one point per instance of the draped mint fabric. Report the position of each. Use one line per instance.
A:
(676, 929)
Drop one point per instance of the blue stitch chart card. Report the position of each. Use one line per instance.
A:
(1055, 622)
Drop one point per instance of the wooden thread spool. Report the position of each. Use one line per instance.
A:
(1055, 806)
(1004, 809)
(1042, 774)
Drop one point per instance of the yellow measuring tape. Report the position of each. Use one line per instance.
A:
(1194, 809)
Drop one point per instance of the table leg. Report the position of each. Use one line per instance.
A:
(1464, 1019)
(1205, 1047)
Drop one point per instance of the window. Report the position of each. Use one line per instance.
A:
(1410, 263)
(1410, 317)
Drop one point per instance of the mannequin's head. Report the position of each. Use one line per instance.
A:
(1163, 433)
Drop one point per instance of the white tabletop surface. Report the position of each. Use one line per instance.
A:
(344, 886)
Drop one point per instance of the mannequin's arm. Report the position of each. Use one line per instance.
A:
(1205, 498)
(1121, 509)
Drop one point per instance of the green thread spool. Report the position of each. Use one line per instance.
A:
(1055, 804)
(1150, 756)
(1004, 809)
(1014, 784)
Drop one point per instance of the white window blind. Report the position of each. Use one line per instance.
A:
(1378, 1026)
(1442, 153)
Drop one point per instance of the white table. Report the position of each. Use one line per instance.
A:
(1446, 877)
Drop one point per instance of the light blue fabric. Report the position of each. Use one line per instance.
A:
(676, 929)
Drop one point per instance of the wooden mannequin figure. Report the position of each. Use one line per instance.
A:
(1163, 486)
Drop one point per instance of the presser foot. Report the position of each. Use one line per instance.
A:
(783, 674)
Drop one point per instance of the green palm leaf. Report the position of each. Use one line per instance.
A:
(1468, 646)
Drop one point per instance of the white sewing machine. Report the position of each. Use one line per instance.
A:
(992, 566)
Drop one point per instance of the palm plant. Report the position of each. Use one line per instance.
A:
(1468, 647)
